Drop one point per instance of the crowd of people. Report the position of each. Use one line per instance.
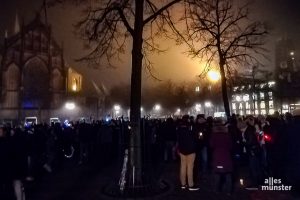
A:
(265, 146)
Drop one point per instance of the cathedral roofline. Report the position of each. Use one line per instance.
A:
(35, 23)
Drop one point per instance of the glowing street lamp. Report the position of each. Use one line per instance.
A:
(117, 107)
(157, 107)
(207, 104)
(214, 76)
(70, 106)
(117, 110)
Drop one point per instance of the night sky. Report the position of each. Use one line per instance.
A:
(282, 15)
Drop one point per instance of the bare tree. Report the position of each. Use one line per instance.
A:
(110, 25)
(221, 31)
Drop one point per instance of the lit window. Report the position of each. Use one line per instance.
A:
(238, 98)
(246, 97)
(271, 84)
(242, 87)
(262, 85)
(263, 112)
(262, 104)
(233, 106)
(240, 106)
(271, 111)
(241, 112)
(248, 112)
(256, 112)
(247, 105)
(235, 89)
(285, 106)
(270, 94)
(271, 104)
(262, 95)
(254, 96)
(256, 104)
(197, 89)
(74, 85)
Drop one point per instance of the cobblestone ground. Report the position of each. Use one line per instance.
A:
(85, 183)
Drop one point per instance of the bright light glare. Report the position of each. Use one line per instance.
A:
(214, 76)
(198, 107)
(70, 105)
(74, 87)
(117, 107)
(178, 110)
(207, 104)
(157, 107)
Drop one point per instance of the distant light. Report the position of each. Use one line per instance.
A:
(242, 181)
(117, 107)
(238, 98)
(197, 89)
(142, 109)
(207, 104)
(70, 105)
(157, 107)
(292, 53)
(74, 87)
(246, 97)
(214, 76)
(178, 110)
(271, 111)
(198, 107)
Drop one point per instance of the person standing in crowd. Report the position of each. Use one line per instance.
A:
(253, 151)
(18, 162)
(221, 145)
(5, 164)
(263, 128)
(169, 138)
(187, 145)
(276, 147)
(200, 129)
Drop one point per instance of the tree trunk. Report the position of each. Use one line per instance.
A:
(135, 149)
(224, 89)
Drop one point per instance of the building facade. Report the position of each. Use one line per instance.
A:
(264, 96)
(36, 81)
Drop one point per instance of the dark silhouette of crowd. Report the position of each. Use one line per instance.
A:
(241, 149)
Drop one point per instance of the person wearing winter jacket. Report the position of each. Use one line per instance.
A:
(222, 163)
(187, 145)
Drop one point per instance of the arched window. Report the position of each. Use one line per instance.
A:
(36, 84)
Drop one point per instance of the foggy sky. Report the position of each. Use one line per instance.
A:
(282, 15)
